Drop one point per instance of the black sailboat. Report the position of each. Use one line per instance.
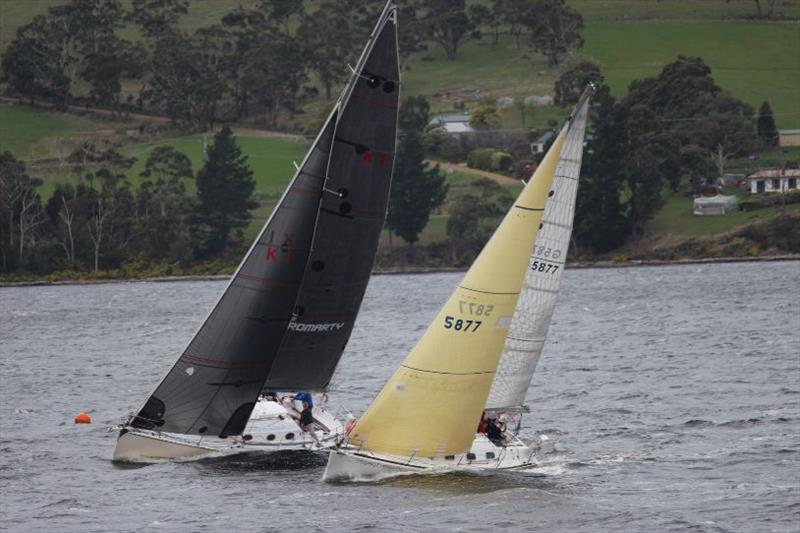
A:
(287, 313)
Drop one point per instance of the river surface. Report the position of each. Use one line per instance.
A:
(671, 395)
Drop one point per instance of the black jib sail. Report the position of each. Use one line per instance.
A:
(288, 311)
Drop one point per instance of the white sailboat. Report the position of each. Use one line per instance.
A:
(285, 317)
(487, 337)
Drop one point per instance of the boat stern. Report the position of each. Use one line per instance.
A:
(137, 446)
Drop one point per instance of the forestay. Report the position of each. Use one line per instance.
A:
(432, 404)
(531, 320)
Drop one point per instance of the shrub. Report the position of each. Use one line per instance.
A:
(750, 204)
(480, 158)
(502, 162)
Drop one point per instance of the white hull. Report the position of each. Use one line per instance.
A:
(347, 463)
(270, 429)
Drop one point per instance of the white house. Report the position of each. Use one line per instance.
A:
(537, 146)
(774, 180)
(453, 123)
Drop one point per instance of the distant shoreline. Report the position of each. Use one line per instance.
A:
(418, 270)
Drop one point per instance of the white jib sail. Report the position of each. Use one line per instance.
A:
(531, 319)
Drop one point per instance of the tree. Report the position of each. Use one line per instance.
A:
(573, 81)
(482, 16)
(414, 114)
(767, 131)
(485, 116)
(104, 69)
(103, 201)
(157, 17)
(187, 76)
(163, 205)
(511, 13)
(280, 12)
(554, 28)
(600, 222)
(650, 158)
(416, 189)
(328, 42)
(225, 187)
(20, 209)
(37, 62)
(688, 103)
(474, 213)
(447, 23)
(62, 209)
(273, 71)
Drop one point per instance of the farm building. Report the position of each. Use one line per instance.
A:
(538, 146)
(714, 205)
(773, 180)
(453, 123)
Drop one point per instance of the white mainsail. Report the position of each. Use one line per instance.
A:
(537, 300)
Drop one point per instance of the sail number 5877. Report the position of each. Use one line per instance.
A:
(459, 324)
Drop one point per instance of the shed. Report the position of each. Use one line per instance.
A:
(714, 205)
(537, 146)
(452, 123)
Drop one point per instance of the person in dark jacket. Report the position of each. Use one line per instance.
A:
(494, 432)
(307, 421)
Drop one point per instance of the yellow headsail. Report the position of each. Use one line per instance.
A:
(432, 404)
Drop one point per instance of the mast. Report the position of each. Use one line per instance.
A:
(526, 336)
(432, 404)
(213, 386)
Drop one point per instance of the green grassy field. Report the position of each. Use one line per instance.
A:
(21, 129)
(593, 10)
(775, 157)
(676, 219)
(753, 60)
(270, 159)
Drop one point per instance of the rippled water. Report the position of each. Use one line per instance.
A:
(672, 395)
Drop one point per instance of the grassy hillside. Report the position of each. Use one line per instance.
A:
(755, 61)
(270, 159)
(675, 219)
(630, 38)
(21, 129)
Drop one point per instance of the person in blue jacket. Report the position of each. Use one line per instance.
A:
(304, 397)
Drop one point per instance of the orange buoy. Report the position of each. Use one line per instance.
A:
(83, 418)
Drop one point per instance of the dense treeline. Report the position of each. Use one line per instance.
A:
(256, 64)
(102, 223)
(673, 128)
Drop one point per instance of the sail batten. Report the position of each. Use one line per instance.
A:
(528, 329)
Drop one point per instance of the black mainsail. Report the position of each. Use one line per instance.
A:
(288, 311)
